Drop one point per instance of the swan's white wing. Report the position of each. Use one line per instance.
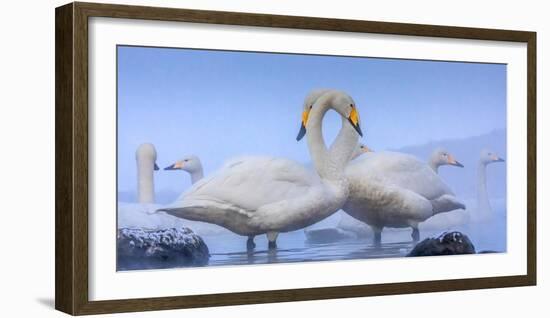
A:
(381, 204)
(246, 184)
(143, 216)
(400, 170)
(140, 215)
(447, 202)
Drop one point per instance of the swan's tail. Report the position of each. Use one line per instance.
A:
(447, 203)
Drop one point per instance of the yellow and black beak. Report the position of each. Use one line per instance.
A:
(457, 164)
(302, 131)
(175, 166)
(453, 162)
(353, 118)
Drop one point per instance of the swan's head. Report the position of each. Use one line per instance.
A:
(361, 149)
(488, 156)
(441, 157)
(190, 164)
(147, 153)
(337, 100)
(311, 98)
(343, 104)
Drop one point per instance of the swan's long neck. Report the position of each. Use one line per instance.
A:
(433, 164)
(196, 175)
(342, 149)
(316, 143)
(146, 187)
(329, 163)
(483, 205)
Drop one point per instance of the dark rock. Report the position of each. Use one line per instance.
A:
(447, 243)
(328, 235)
(155, 249)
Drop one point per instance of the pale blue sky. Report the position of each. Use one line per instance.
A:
(219, 104)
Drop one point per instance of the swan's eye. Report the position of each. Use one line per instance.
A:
(186, 160)
(310, 106)
(351, 105)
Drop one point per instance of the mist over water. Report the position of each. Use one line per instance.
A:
(220, 105)
(229, 249)
(488, 235)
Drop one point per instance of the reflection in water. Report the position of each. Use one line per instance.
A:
(292, 247)
(310, 252)
(230, 249)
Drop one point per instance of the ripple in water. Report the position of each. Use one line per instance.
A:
(293, 247)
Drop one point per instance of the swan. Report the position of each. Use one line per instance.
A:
(391, 189)
(361, 149)
(487, 157)
(192, 164)
(265, 195)
(441, 157)
(317, 233)
(138, 215)
(146, 156)
(308, 104)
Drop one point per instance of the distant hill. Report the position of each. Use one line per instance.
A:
(463, 180)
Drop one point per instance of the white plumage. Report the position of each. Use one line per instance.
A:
(257, 195)
(146, 156)
(390, 189)
(484, 211)
(142, 215)
(243, 194)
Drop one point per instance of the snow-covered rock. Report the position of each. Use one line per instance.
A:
(164, 248)
(447, 243)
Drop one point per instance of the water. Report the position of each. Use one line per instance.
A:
(229, 249)
(293, 247)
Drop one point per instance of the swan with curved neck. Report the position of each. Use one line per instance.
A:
(487, 157)
(266, 195)
(146, 157)
(191, 164)
(441, 157)
(330, 162)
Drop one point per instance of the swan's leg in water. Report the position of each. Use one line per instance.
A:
(272, 239)
(377, 239)
(415, 233)
(250, 245)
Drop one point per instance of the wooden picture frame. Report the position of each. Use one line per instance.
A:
(71, 122)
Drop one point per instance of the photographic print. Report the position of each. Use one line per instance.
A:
(212, 158)
(239, 158)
